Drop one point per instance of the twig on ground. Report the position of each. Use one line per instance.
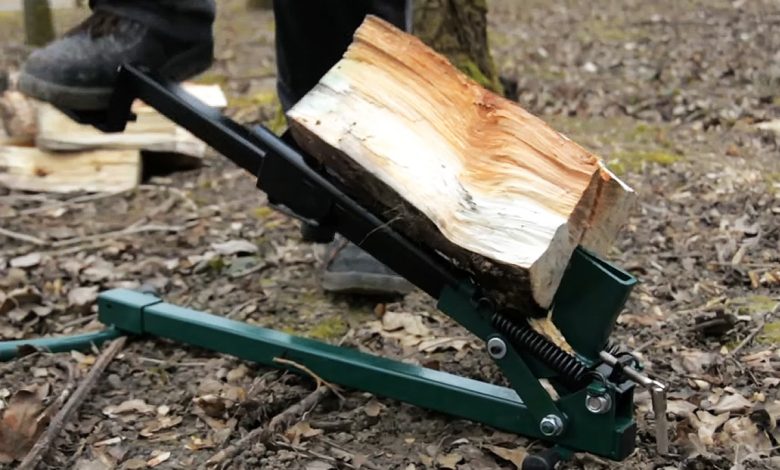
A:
(46, 439)
(72, 202)
(283, 420)
(253, 269)
(316, 455)
(748, 339)
(263, 435)
(22, 237)
(132, 230)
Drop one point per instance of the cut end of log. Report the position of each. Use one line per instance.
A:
(458, 168)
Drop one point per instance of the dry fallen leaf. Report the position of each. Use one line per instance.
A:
(706, 424)
(300, 430)
(237, 374)
(680, 407)
(409, 322)
(373, 408)
(449, 461)
(212, 405)
(234, 247)
(731, 403)
(26, 261)
(745, 432)
(82, 297)
(442, 344)
(515, 456)
(164, 422)
(160, 458)
(22, 421)
(136, 405)
(18, 297)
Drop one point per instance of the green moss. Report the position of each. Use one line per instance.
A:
(770, 335)
(217, 264)
(266, 98)
(278, 123)
(623, 162)
(608, 31)
(211, 79)
(470, 68)
(263, 212)
(776, 101)
(329, 328)
(753, 304)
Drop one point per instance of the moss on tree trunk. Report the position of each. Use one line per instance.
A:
(38, 25)
(458, 29)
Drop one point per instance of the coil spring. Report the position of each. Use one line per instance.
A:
(571, 371)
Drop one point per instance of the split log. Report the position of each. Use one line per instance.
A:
(458, 168)
(32, 169)
(151, 131)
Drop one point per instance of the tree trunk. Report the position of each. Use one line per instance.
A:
(458, 29)
(260, 4)
(37, 22)
(457, 168)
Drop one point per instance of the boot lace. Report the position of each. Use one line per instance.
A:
(99, 24)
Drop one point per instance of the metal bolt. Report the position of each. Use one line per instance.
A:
(496, 348)
(598, 404)
(551, 425)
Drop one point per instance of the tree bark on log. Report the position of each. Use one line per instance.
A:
(457, 168)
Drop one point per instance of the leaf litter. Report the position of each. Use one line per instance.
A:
(703, 237)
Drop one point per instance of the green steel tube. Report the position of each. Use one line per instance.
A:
(9, 349)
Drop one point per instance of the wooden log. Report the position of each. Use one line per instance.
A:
(151, 131)
(33, 169)
(458, 168)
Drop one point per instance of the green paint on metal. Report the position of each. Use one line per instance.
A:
(539, 402)
(610, 435)
(460, 305)
(590, 297)
(10, 349)
(121, 307)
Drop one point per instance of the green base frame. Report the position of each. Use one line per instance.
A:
(609, 435)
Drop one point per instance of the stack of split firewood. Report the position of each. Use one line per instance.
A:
(41, 149)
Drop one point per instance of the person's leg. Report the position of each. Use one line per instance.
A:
(172, 37)
(311, 36)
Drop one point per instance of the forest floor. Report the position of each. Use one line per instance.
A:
(670, 93)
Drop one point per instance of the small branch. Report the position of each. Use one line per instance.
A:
(749, 338)
(127, 231)
(319, 380)
(22, 237)
(72, 202)
(46, 439)
(263, 435)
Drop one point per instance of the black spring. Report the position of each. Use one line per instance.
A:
(571, 371)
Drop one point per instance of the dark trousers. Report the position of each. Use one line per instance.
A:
(311, 35)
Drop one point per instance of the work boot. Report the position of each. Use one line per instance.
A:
(350, 270)
(78, 71)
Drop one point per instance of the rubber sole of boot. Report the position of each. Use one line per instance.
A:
(180, 67)
(363, 283)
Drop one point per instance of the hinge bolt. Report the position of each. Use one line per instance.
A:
(496, 348)
(551, 425)
(598, 404)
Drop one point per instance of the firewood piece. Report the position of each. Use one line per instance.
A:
(151, 131)
(458, 168)
(32, 169)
